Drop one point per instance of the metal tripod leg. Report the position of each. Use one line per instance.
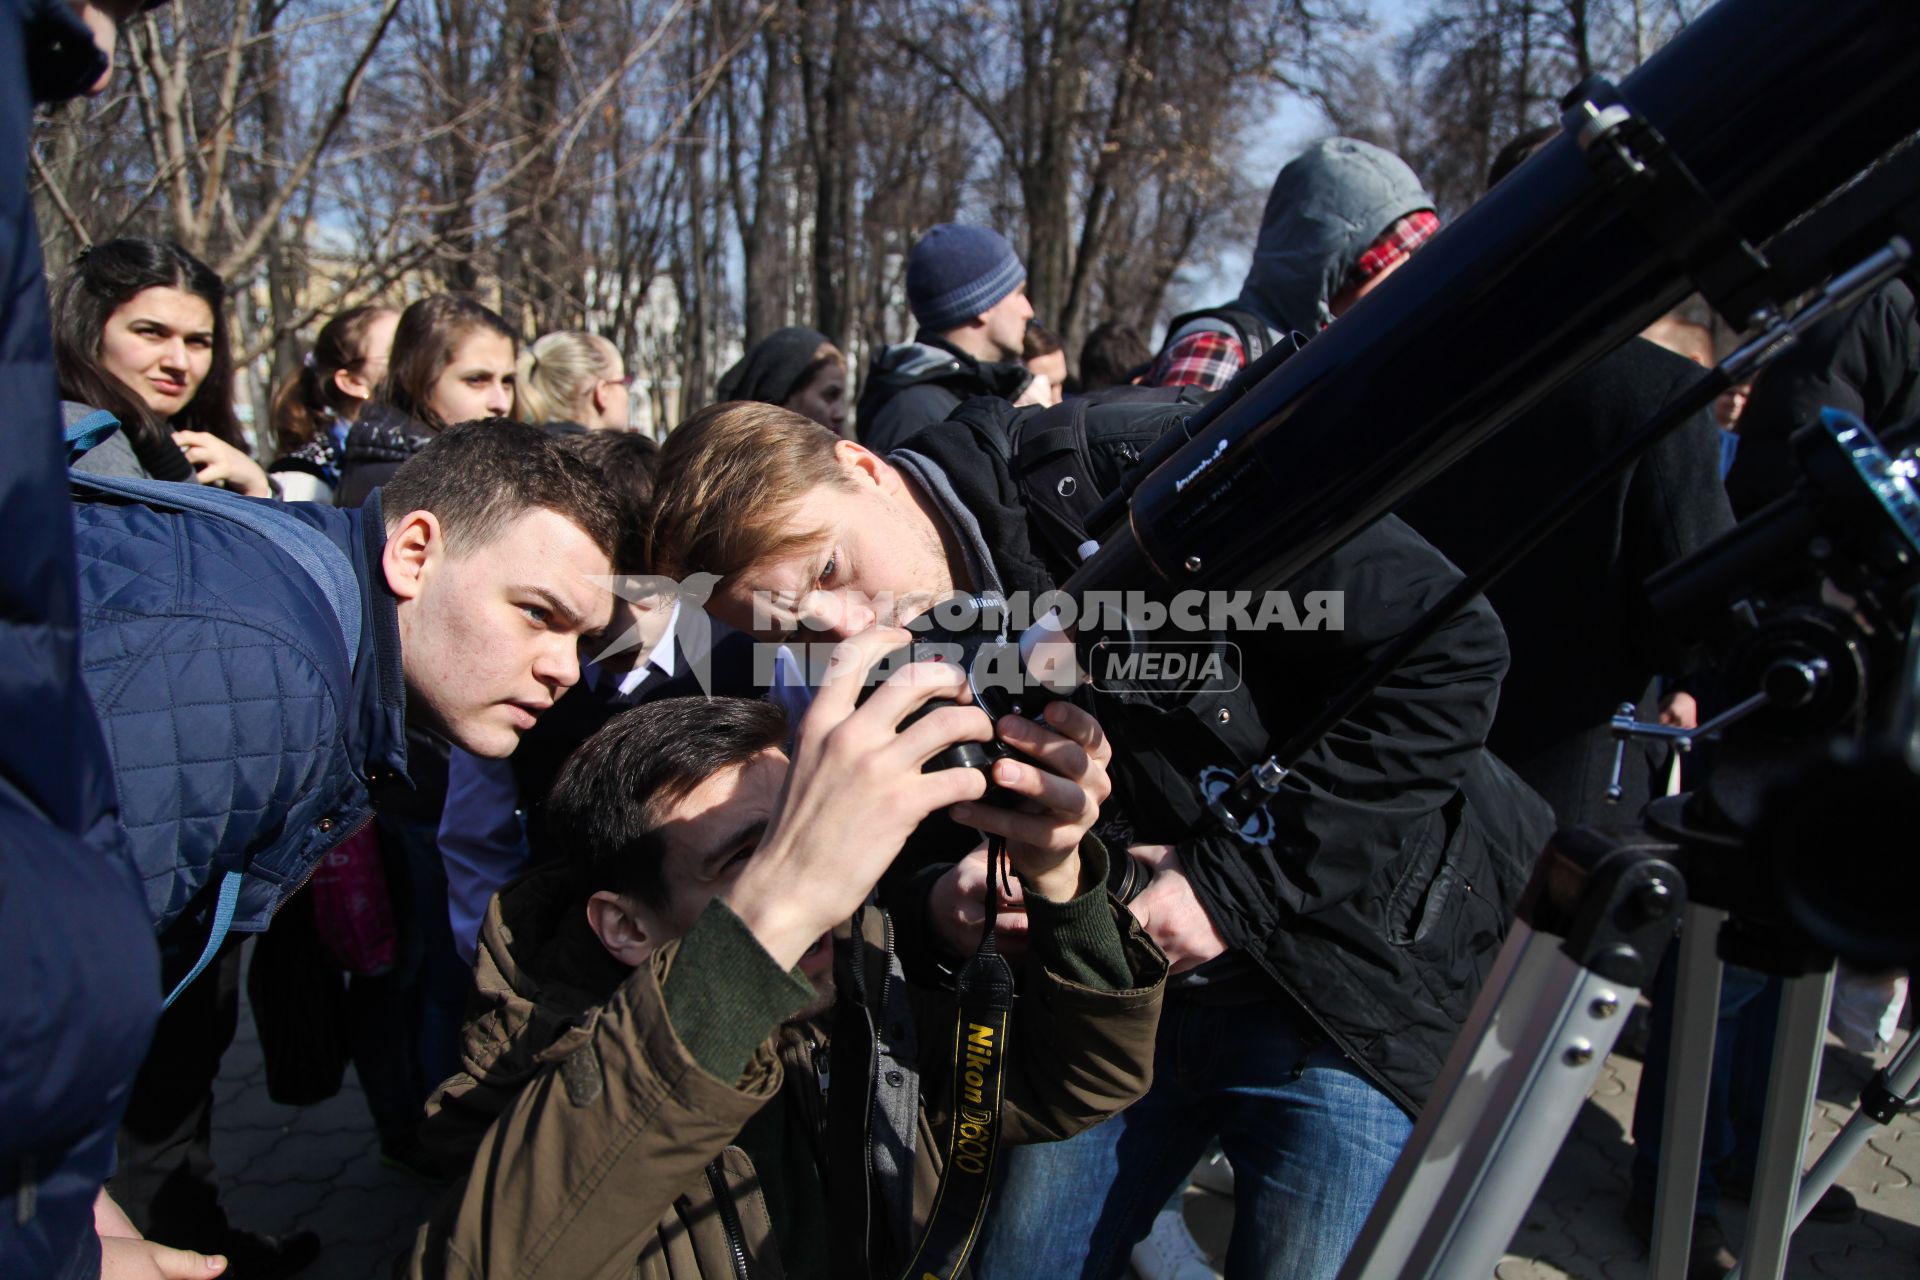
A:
(1599, 910)
(1683, 1128)
(1897, 1085)
(1539, 1036)
(1783, 1135)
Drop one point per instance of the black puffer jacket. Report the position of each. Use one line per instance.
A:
(913, 385)
(381, 439)
(1402, 843)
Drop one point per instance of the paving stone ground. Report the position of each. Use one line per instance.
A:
(318, 1168)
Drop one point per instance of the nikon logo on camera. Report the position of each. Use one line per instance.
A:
(1166, 666)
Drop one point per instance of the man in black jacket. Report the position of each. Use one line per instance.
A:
(1321, 977)
(968, 292)
(1574, 607)
(1865, 360)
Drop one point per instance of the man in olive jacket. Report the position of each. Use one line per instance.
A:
(646, 1083)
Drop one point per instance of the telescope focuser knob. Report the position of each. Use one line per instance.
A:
(1792, 682)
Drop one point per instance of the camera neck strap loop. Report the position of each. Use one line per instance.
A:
(983, 991)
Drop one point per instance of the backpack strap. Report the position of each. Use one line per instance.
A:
(1054, 470)
(223, 911)
(87, 431)
(312, 550)
(1066, 459)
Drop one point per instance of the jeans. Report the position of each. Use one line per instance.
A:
(1310, 1139)
(1736, 1090)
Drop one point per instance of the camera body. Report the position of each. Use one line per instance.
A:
(971, 632)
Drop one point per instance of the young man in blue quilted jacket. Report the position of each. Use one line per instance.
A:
(255, 717)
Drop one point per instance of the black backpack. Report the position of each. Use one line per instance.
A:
(1068, 458)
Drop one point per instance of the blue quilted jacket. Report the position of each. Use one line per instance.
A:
(241, 738)
(85, 976)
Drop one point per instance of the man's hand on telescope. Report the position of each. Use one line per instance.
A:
(1171, 913)
(854, 793)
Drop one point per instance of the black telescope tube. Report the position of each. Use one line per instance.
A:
(1545, 274)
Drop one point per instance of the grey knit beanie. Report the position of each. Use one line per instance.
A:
(957, 272)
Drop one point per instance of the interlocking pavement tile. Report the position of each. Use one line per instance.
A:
(1624, 1266)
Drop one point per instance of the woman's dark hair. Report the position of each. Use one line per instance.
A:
(304, 401)
(1112, 355)
(423, 346)
(606, 807)
(102, 279)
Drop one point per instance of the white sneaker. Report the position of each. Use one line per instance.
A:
(1170, 1253)
(1214, 1174)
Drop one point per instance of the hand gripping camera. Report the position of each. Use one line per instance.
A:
(970, 631)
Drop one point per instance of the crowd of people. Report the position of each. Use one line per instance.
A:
(576, 793)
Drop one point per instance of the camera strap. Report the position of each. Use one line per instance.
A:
(984, 993)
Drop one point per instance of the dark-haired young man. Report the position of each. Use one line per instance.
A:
(255, 666)
(647, 1090)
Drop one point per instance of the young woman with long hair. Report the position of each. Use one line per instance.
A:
(452, 361)
(314, 409)
(140, 331)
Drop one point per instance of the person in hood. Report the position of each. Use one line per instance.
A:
(660, 1054)
(453, 361)
(1341, 218)
(796, 368)
(967, 289)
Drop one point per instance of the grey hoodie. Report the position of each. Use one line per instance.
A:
(1326, 207)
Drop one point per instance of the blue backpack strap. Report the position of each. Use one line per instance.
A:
(312, 550)
(223, 909)
(86, 433)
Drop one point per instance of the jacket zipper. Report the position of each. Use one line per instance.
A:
(314, 870)
(729, 1219)
(1339, 1042)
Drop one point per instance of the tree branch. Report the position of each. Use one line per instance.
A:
(59, 198)
(256, 239)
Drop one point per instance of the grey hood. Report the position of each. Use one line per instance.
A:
(1326, 207)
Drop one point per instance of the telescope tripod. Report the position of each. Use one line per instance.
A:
(1596, 918)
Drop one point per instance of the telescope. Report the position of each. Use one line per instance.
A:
(1767, 151)
(1655, 189)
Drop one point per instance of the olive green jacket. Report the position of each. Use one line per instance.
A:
(595, 1145)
